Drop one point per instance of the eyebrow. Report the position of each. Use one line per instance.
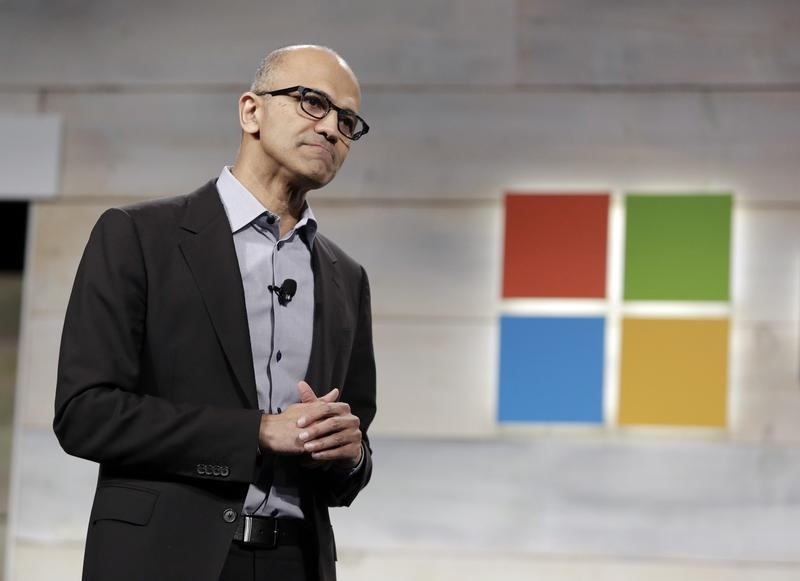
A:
(329, 98)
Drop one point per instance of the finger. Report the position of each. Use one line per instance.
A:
(332, 395)
(328, 426)
(307, 394)
(318, 413)
(351, 452)
(334, 439)
(331, 408)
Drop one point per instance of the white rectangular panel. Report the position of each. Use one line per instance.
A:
(30, 156)
(680, 41)
(206, 42)
(434, 261)
(435, 378)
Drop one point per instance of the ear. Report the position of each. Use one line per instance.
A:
(248, 108)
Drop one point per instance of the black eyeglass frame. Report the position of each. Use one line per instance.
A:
(331, 105)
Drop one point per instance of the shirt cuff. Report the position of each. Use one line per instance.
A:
(358, 466)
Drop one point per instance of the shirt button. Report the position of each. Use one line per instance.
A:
(270, 219)
(278, 356)
(229, 515)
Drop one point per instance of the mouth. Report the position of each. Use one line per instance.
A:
(323, 148)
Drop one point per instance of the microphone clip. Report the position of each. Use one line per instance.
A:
(285, 292)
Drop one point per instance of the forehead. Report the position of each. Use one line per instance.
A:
(321, 70)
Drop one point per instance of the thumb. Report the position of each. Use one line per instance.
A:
(307, 394)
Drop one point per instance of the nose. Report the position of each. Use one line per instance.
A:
(329, 126)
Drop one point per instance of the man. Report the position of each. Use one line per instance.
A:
(216, 358)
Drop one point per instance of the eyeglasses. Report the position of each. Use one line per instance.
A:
(318, 105)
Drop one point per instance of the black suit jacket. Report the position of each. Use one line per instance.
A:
(156, 384)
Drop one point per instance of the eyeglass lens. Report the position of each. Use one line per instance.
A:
(317, 105)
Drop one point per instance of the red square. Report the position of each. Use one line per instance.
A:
(555, 245)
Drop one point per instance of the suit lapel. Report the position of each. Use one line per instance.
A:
(211, 257)
(327, 309)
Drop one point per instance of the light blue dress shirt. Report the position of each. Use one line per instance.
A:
(280, 335)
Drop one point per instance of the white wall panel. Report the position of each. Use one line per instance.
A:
(765, 346)
(598, 496)
(765, 356)
(766, 266)
(548, 488)
(623, 496)
(681, 41)
(447, 41)
(422, 260)
(36, 380)
(19, 103)
(479, 565)
(438, 277)
(435, 275)
(441, 145)
(766, 414)
(180, 41)
(445, 146)
(50, 506)
(63, 563)
(435, 379)
(59, 233)
(145, 144)
(30, 154)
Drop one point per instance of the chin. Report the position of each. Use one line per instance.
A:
(320, 178)
(315, 181)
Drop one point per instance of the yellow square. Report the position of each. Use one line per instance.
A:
(674, 372)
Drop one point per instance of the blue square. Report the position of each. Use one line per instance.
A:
(551, 369)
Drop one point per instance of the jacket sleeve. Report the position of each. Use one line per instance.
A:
(340, 488)
(103, 412)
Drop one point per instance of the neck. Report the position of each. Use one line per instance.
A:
(274, 192)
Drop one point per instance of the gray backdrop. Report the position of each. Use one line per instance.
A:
(467, 99)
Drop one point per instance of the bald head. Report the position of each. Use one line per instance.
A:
(274, 61)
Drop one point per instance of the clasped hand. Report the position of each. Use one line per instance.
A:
(322, 427)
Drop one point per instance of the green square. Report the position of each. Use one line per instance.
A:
(677, 248)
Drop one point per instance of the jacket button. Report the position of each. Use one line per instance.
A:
(215, 470)
(201, 469)
(224, 472)
(229, 515)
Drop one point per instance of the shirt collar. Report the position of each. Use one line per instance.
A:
(242, 207)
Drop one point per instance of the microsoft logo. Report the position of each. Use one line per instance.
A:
(615, 309)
